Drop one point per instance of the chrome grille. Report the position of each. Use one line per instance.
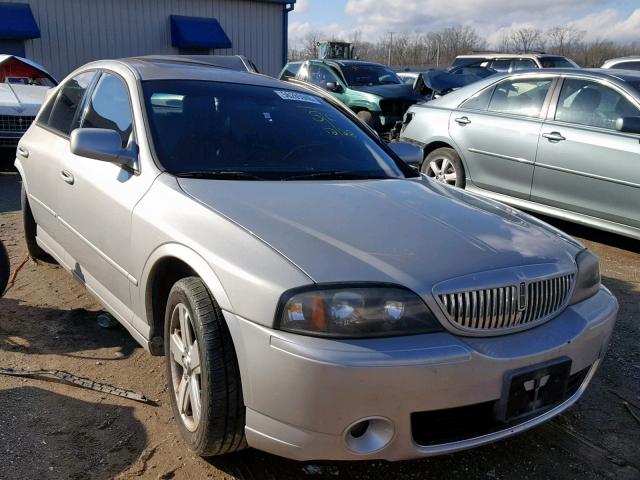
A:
(15, 123)
(507, 307)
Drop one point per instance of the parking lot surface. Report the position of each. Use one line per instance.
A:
(51, 430)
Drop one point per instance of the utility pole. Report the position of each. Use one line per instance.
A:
(390, 45)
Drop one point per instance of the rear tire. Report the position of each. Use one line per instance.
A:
(444, 165)
(30, 231)
(5, 269)
(201, 361)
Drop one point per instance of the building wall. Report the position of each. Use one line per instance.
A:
(74, 32)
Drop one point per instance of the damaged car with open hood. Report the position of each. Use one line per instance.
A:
(23, 88)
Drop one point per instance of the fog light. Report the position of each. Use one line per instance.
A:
(369, 435)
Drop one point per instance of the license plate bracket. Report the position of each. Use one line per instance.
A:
(532, 389)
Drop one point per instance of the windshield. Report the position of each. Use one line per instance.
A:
(556, 62)
(246, 132)
(369, 74)
(635, 84)
(19, 73)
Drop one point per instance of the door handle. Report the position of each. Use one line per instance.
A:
(23, 152)
(553, 136)
(67, 177)
(463, 121)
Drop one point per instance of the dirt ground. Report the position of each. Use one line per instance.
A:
(55, 431)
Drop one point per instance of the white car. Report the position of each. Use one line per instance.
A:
(23, 89)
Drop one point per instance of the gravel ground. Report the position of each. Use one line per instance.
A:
(50, 431)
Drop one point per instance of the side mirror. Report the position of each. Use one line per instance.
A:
(333, 87)
(102, 144)
(408, 153)
(628, 125)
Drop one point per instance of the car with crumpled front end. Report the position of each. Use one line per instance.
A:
(283, 275)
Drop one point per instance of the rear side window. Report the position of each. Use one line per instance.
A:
(501, 65)
(523, 64)
(63, 114)
(109, 107)
(520, 97)
(480, 101)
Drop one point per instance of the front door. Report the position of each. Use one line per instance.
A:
(497, 134)
(98, 201)
(583, 163)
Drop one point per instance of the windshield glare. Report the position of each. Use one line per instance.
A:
(259, 133)
(369, 74)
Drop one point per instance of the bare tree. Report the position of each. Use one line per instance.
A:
(526, 39)
(310, 45)
(563, 39)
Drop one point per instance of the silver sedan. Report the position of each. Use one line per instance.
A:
(272, 248)
(562, 142)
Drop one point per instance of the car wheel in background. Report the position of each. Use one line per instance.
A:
(4, 268)
(30, 231)
(202, 371)
(444, 165)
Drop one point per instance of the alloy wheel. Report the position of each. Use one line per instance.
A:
(442, 170)
(185, 367)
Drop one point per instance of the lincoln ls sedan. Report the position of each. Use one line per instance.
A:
(266, 241)
(561, 142)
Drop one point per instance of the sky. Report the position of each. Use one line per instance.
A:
(617, 20)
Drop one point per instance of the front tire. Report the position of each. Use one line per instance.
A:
(444, 165)
(30, 231)
(4, 268)
(202, 371)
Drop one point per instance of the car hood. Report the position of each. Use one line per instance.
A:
(388, 91)
(21, 99)
(410, 232)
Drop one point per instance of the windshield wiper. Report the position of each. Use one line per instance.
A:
(339, 175)
(219, 175)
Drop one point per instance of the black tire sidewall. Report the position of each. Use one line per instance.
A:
(453, 157)
(197, 439)
(31, 230)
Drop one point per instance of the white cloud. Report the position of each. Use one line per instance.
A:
(491, 18)
(302, 6)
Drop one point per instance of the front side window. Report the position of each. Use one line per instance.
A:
(520, 97)
(62, 114)
(501, 65)
(230, 131)
(109, 107)
(627, 65)
(369, 74)
(584, 102)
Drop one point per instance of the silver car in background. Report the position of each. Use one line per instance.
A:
(564, 143)
(271, 246)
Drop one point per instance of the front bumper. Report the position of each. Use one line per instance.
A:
(303, 394)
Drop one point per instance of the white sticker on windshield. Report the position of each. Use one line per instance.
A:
(300, 97)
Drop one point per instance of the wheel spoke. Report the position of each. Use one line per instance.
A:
(434, 167)
(445, 165)
(450, 177)
(177, 348)
(184, 325)
(194, 394)
(194, 356)
(183, 395)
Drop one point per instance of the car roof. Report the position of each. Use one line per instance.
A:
(630, 58)
(167, 68)
(509, 55)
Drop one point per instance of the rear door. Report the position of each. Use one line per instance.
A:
(41, 149)
(497, 132)
(583, 163)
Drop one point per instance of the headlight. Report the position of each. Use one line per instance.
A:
(588, 278)
(355, 311)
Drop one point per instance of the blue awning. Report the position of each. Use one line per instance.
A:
(16, 21)
(197, 32)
